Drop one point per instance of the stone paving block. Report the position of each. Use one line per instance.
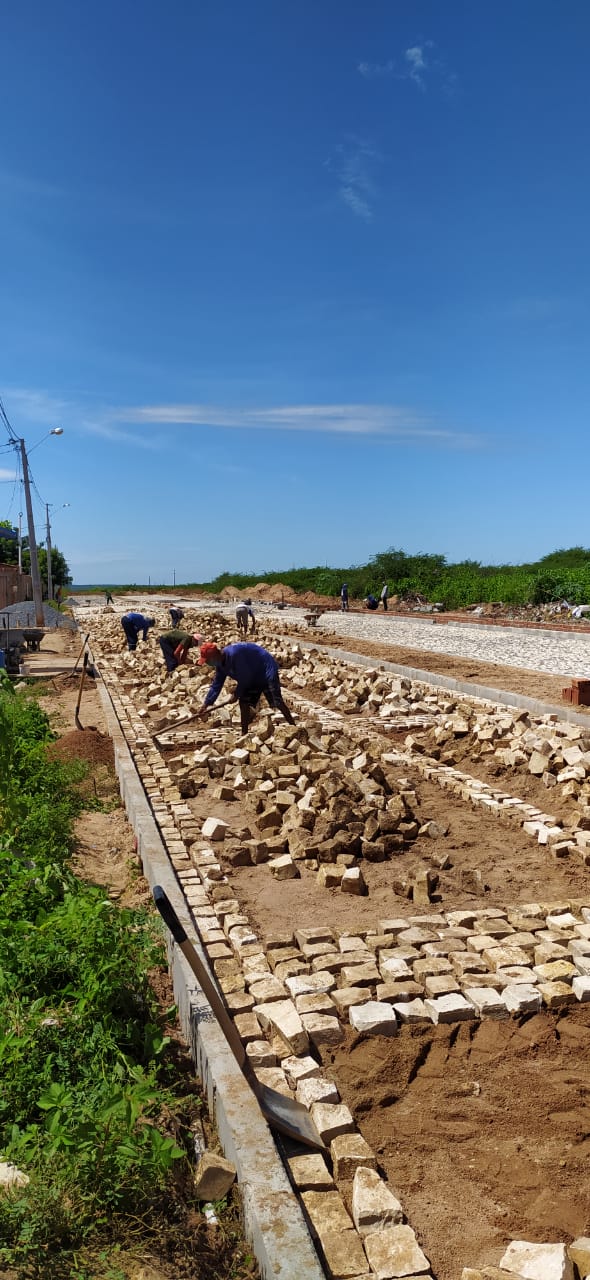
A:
(522, 998)
(502, 957)
(487, 1003)
(349, 1151)
(344, 1255)
(260, 1054)
(316, 1090)
(581, 989)
(322, 1029)
(451, 1008)
(275, 1079)
(516, 973)
(441, 984)
(310, 1173)
(373, 1018)
(345, 997)
(297, 1069)
(327, 1211)
(412, 1011)
(282, 1018)
(399, 991)
(214, 829)
(556, 994)
(393, 969)
(395, 1252)
(579, 1252)
(312, 1003)
(311, 984)
(360, 975)
(264, 989)
(373, 1204)
(331, 1120)
(556, 971)
(538, 1261)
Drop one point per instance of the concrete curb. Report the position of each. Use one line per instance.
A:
(273, 1219)
(484, 692)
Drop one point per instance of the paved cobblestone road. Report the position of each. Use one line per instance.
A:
(558, 653)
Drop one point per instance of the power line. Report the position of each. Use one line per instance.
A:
(4, 418)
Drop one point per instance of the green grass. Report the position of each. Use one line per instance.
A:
(87, 1104)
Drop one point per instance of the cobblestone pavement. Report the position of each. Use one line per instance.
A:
(552, 651)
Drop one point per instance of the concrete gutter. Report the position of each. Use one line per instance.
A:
(273, 1219)
(484, 692)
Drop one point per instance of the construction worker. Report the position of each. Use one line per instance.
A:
(384, 596)
(344, 597)
(243, 612)
(176, 614)
(255, 672)
(132, 624)
(175, 645)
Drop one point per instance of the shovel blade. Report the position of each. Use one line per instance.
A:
(288, 1116)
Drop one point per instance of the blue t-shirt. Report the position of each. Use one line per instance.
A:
(251, 666)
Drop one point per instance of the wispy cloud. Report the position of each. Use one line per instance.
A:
(385, 421)
(376, 70)
(419, 63)
(7, 476)
(137, 425)
(352, 164)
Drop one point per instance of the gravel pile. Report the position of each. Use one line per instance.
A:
(23, 615)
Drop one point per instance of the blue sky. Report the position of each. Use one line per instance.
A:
(300, 281)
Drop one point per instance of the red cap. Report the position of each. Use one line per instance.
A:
(207, 651)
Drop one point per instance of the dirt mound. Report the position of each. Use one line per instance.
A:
(85, 744)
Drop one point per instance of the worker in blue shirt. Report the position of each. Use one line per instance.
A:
(255, 671)
(133, 624)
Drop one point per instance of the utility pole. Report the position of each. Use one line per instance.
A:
(48, 545)
(35, 576)
(20, 541)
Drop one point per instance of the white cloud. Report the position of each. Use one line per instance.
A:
(386, 421)
(351, 164)
(417, 64)
(6, 476)
(376, 70)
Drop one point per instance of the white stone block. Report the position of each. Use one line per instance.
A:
(395, 1252)
(581, 989)
(486, 1002)
(214, 829)
(522, 998)
(373, 1204)
(450, 1008)
(538, 1261)
(375, 1018)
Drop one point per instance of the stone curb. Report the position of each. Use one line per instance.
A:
(273, 1219)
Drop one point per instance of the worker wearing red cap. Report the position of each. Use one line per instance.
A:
(255, 671)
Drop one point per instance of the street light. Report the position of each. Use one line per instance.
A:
(48, 540)
(35, 575)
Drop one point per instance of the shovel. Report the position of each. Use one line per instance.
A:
(284, 1114)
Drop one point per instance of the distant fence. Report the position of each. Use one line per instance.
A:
(14, 586)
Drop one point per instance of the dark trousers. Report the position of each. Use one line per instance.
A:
(176, 616)
(168, 646)
(130, 632)
(250, 698)
(384, 603)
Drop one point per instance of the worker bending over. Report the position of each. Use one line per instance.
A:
(176, 614)
(175, 645)
(132, 624)
(243, 612)
(255, 672)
